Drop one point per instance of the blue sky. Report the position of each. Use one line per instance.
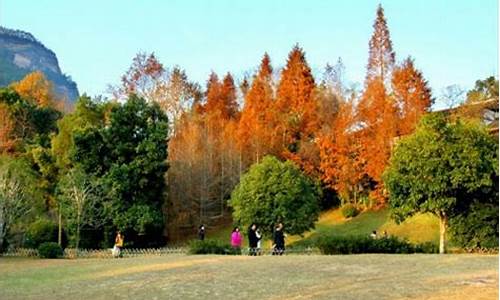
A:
(452, 42)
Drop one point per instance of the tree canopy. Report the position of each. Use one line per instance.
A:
(442, 168)
(273, 191)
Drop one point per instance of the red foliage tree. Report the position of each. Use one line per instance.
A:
(254, 131)
(412, 95)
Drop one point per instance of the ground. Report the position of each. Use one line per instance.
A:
(177, 276)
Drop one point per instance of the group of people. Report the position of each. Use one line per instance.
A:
(374, 235)
(254, 239)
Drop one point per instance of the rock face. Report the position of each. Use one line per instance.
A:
(21, 53)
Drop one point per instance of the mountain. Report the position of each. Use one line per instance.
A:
(21, 53)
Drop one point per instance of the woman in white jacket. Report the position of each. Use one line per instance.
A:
(259, 239)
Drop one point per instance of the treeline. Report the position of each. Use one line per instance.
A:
(164, 154)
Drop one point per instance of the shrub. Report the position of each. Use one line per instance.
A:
(364, 244)
(50, 250)
(477, 228)
(40, 231)
(427, 247)
(349, 210)
(211, 247)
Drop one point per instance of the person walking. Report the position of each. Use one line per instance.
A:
(236, 239)
(279, 240)
(201, 232)
(252, 240)
(117, 250)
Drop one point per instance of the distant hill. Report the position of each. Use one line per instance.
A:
(21, 53)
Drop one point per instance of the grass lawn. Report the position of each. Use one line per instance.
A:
(241, 277)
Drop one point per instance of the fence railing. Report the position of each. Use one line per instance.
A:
(134, 252)
(97, 253)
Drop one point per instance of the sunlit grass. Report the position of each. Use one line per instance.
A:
(177, 276)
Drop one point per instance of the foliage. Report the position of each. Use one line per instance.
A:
(412, 94)
(40, 231)
(36, 88)
(23, 122)
(484, 90)
(128, 155)
(476, 228)
(295, 118)
(50, 250)
(255, 125)
(17, 193)
(349, 210)
(211, 247)
(273, 191)
(88, 113)
(79, 198)
(149, 79)
(365, 244)
(205, 157)
(442, 168)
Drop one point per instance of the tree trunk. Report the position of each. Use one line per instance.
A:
(443, 224)
(59, 231)
(3, 232)
(77, 242)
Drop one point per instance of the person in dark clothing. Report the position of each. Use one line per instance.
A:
(201, 232)
(252, 240)
(279, 240)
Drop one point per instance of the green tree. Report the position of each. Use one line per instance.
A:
(80, 202)
(273, 191)
(484, 90)
(442, 168)
(17, 192)
(129, 155)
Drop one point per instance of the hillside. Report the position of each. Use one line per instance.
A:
(418, 229)
(21, 53)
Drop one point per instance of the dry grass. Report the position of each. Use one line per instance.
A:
(241, 277)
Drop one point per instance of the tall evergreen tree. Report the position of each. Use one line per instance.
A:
(381, 57)
(254, 126)
(295, 109)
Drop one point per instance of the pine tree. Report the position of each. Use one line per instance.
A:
(228, 97)
(381, 57)
(254, 126)
(377, 109)
(295, 109)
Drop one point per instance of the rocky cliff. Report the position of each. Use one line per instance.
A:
(21, 53)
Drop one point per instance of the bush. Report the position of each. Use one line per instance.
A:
(40, 231)
(50, 250)
(365, 244)
(211, 247)
(349, 210)
(477, 228)
(427, 247)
